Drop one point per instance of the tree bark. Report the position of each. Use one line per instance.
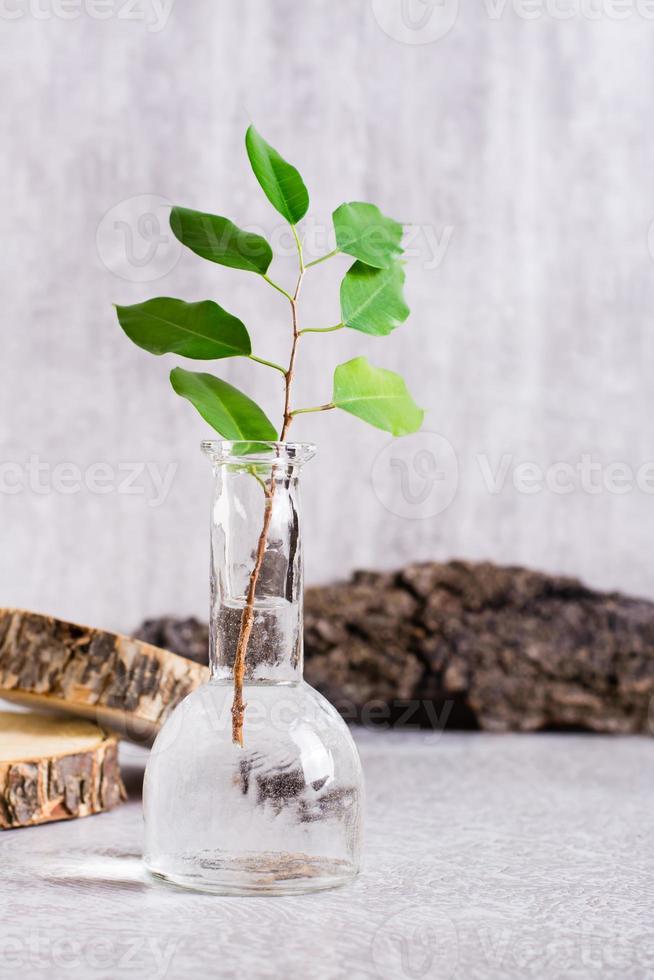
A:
(460, 645)
(55, 769)
(125, 684)
(465, 645)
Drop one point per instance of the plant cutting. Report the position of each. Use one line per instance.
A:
(283, 810)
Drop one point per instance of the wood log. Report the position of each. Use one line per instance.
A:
(120, 682)
(55, 769)
(471, 646)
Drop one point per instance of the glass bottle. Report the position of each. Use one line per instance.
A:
(282, 813)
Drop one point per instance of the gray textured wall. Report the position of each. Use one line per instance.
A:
(521, 149)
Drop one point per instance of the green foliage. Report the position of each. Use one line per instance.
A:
(281, 183)
(219, 240)
(377, 396)
(364, 232)
(372, 300)
(227, 410)
(203, 331)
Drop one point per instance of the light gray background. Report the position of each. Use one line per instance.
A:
(525, 146)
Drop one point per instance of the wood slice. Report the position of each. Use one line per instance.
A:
(122, 683)
(55, 769)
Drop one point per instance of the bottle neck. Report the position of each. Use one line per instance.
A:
(274, 652)
(256, 532)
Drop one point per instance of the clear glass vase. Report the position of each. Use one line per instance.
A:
(281, 813)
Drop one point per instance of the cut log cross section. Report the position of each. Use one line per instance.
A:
(121, 683)
(55, 769)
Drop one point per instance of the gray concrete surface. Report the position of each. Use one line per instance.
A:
(487, 858)
(519, 145)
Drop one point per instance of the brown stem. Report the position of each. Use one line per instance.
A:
(247, 619)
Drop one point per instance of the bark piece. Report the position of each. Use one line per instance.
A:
(478, 645)
(55, 769)
(122, 683)
(186, 637)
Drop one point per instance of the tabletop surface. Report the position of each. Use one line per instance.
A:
(487, 856)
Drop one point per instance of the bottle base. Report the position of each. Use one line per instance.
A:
(254, 874)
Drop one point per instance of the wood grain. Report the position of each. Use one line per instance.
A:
(123, 683)
(55, 769)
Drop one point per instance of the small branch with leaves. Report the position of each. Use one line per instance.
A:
(372, 302)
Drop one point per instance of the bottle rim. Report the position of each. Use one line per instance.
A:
(247, 452)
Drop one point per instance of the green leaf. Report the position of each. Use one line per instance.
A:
(377, 396)
(170, 326)
(364, 232)
(231, 413)
(372, 300)
(219, 240)
(281, 183)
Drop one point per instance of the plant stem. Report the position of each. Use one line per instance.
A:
(299, 248)
(288, 418)
(318, 408)
(339, 326)
(261, 360)
(252, 471)
(278, 288)
(323, 258)
(247, 619)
